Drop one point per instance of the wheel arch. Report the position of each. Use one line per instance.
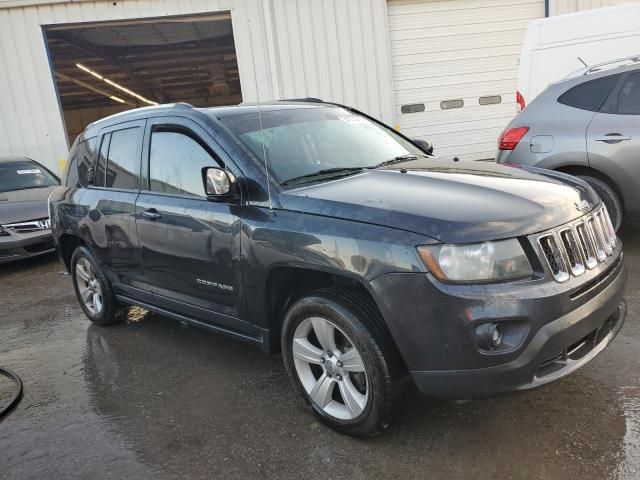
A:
(286, 284)
(592, 172)
(68, 244)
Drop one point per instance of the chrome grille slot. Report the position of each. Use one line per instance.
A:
(596, 236)
(573, 250)
(602, 226)
(588, 248)
(554, 256)
(610, 230)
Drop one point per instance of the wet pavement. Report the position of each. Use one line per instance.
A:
(154, 399)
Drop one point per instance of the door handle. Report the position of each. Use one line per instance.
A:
(613, 138)
(151, 214)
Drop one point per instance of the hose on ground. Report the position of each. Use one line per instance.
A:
(18, 394)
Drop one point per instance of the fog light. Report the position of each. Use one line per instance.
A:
(489, 336)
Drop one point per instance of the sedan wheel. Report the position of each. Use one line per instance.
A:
(330, 368)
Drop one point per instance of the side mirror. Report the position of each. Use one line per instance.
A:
(218, 182)
(425, 145)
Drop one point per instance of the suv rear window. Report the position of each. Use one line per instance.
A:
(83, 156)
(589, 95)
(123, 160)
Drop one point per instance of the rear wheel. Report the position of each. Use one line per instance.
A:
(93, 289)
(609, 197)
(338, 361)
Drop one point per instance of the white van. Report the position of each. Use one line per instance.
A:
(559, 46)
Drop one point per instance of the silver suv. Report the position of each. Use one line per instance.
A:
(587, 125)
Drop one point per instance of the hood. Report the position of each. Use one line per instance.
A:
(453, 202)
(24, 205)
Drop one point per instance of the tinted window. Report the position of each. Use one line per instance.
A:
(589, 95)
(629, 95)
(175, 163)
(72, 173)
(23, 175)
(101, 163)
(123, 160)
(84, 155)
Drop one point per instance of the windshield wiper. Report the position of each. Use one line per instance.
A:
(321, 174)
(399, 159)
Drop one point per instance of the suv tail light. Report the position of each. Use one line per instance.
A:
(510, 137)
(520, 102)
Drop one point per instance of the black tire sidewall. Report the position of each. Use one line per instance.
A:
(110, 308)
(373, 419)
(609, 197)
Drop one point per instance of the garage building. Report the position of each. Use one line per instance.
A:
(444, 70)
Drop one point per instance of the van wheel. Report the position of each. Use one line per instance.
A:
(609, 197)
(93, 289)
(340, 362)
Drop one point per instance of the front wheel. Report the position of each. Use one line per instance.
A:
(338, 360)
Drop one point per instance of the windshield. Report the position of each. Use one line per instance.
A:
(317, 142)
(24, 174)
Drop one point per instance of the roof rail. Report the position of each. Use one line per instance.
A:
(306, 99)
(598, 66)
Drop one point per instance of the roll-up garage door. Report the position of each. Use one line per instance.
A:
(455, 69)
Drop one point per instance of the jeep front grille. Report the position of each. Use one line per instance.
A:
(572, 249)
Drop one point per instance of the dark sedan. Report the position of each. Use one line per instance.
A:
(25, 230)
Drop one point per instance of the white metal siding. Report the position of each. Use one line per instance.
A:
(458, 49)
(558, 7)
(335, 49)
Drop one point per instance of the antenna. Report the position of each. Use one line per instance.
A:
(264, 150)
(583, 62)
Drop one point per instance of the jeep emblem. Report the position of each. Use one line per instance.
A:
(583, 205)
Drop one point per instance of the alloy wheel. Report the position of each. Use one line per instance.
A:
(89, 286)
(330, 368)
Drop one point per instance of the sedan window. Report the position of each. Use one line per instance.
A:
(23, 175)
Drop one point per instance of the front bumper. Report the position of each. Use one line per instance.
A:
(17, 247)
(567, 326)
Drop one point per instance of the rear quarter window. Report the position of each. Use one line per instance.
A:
(84, 157)
(589, 95)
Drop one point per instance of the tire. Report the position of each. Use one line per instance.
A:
(355, 324)
(609, 197)
(99, 302)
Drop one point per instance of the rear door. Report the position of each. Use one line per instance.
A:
(190, 246)
(613, 139)
(113, 186)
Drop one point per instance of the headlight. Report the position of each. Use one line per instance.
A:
(3, 232)
(478, 262)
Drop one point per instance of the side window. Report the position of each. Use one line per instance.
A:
(175, 163)
(84, 157)
(629, 95)
(589, 95)
(123, 159)
(101, 163)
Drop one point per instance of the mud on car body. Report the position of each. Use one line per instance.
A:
(312, 229)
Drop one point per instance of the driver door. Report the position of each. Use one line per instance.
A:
(190, 246)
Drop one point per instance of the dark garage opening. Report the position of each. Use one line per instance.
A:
(108, 67)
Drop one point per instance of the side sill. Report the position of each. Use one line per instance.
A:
(260, 341)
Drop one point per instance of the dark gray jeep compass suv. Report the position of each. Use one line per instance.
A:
(312, 229)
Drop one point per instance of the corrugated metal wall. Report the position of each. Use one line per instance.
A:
(337, 50)
(558, 7)
(334, 49)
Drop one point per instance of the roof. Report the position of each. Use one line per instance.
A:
(216, 111)
(15, 159)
